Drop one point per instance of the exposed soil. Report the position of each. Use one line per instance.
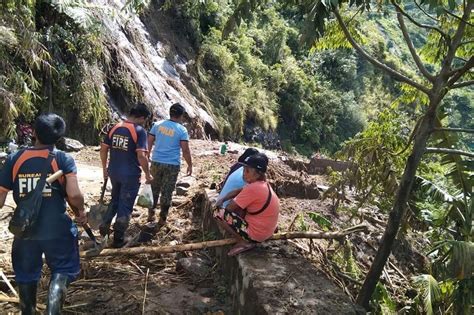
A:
(117, 285)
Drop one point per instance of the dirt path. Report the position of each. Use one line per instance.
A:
(117, 285)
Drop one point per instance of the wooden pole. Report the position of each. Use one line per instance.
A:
(228, 241)
(17, 301)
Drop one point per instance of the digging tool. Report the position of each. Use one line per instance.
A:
(98, 246)
(97, 212)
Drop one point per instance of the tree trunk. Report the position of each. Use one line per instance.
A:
(399, 206)
(229, 241)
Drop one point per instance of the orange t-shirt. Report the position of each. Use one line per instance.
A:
(253, 197)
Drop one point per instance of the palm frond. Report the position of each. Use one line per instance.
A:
(77, 10)
(460, 263)
(429, 291)
(8, 37)
(432, 190)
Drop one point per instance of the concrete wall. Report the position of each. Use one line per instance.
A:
(273, 278)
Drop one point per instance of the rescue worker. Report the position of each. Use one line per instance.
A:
(127, 144)
(168, 138)
(54, 234)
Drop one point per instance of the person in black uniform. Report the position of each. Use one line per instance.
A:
(54, 233)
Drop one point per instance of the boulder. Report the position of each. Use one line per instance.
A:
(69, 145)
(186, 182)
(194, 266)
(181, 191)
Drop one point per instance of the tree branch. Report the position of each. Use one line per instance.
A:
(455, 130)
(426, 26)
(458, 17)
(395, 74)
(456, 41)
(449, 151)
(426, 13)
(462, 84)
(412, 49)
(228, 241)
(458, 73)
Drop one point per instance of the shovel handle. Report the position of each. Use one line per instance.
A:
(54, 177)
(89, 232)
(102, 192)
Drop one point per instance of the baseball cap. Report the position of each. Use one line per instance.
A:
(257, 161)
(248, 152)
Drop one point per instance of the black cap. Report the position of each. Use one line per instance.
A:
(247, 153)
(257, 161)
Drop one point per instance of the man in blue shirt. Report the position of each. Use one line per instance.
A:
(54, 234)
(168, 138)
(127, 144)
(235, 179)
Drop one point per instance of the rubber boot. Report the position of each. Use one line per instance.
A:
(104, 230)
(163, 214)
(57, 293)
(151, 215)
(28, 298)
(120, 226)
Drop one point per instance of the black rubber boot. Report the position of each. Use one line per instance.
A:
(57, 293)
(164, 213)
(120, 227)
(104, 228)
(151, 215)
(28, 298)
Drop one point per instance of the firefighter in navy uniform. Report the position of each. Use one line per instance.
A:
(127, 144)
(54, 233)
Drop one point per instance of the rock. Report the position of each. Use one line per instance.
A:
(69, 145)
(186, 182)
(181, 191)
(207, 292)
(194, 266)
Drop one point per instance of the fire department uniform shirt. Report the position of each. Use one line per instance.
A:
(124, 140)
(168, 136)
(21, 172)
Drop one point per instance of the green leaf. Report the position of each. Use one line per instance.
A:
(320, 220)
(429, 291)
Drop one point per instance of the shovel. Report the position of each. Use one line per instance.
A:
(96, 214)
(98, 246)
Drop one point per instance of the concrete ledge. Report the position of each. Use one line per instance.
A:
(272, 279)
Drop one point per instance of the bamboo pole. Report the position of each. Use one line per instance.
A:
(228, 241)
(17, 301)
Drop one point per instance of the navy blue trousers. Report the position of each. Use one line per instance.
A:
(62, 256)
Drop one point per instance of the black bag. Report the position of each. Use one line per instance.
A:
(27, 209)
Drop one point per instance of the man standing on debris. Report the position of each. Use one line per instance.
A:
(168, 137)
(54, 234)
(127, 144)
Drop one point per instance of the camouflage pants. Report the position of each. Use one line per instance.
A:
(164, 182)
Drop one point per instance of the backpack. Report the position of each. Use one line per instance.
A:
(28, 208)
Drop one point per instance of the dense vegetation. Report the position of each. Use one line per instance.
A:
(266, 71)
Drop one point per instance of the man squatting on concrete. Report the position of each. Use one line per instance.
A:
(168, 137)
(54, 234)
(127, 144)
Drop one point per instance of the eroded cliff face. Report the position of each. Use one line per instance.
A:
(144, 67)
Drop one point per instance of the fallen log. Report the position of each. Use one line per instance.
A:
(17, 301)
(228, 241)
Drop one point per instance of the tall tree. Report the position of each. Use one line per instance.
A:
(449, 49)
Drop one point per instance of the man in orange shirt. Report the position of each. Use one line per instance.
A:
(252, 215)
